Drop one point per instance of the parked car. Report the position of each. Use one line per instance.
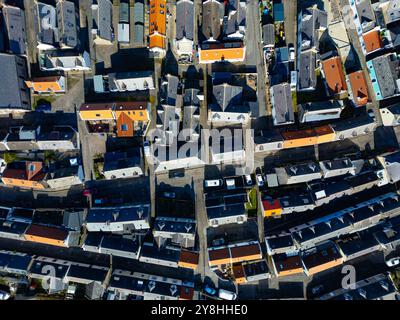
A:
(249, 180)
(170, 195)
(209, 290)
(393, 262)
(213, 183)
(226, 295)
(260, 180)
(146, 148)
(371, 114)
(291, 52)
(176, 174)
(4, 295)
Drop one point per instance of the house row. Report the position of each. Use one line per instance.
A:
(377, 287)
(40, 137)
(112, 244)
(56, 27)
(310, 171)
(234, 253)
(227, 205)
(119, 220)
(223, 29)
(148, 287)
(341, 130)
(378, 33)
(34, 174)
(42, 234)
(97, 282)
(329, 254)
(126, 118)
(169, 256)
(46, 226)
(332, 226)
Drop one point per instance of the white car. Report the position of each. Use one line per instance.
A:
(4, 295)
(371, 114)
(260, 180)
(393, 262)
(249, 180)
(291, 53)
(213, 183)
(146, 147)
(226, 295)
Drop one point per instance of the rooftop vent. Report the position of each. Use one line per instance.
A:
(115, 215)
(362, 293)
(161, 225)
(188, 227)
(173, 289)
(293, 169)
(140, 212)
(151, 285)
(384, 285)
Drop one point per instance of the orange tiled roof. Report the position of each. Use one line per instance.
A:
(372, 41)
(334, 75)
(359, 88)
(222, 54)
(44, 84)
(125, 126)
(157, 41)
(158, 10)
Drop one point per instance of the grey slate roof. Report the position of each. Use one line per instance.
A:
(184, 19)
(138, 12)
(121, 160)
(393, 12)
(14, 21)
(45, 13)
(67, 23)
(138, 34)
(213, 12)
(268, 34)
(102, 18)
(13, 92)
(226, 95)
(124, 12)
(307, 76)
(282, 103)
(385, 70)
(366, 15)
(312, 20)
(169, 90)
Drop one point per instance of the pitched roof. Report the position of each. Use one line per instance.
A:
(212, 15)
(372, 41)
(13, 92)
(158, 14)
(14, 20)
(184, 19)
(47, 232)
(359, 88)
(334, 75)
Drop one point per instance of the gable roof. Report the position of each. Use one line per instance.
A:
(372, 41)
(359, 88)
(184, 19)
(334, 75)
